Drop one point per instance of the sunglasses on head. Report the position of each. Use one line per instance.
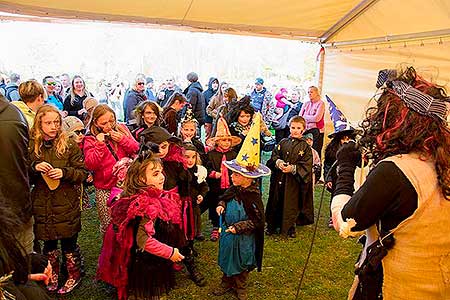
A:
(80, 131)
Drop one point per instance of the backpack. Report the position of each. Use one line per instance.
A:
(9, 90)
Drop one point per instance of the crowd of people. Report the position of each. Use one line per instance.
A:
(181, 153)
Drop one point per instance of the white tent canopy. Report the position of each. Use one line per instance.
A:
(360, 37)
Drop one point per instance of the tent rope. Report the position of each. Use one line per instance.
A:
(314, 235)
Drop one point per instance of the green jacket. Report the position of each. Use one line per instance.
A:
(57, 213)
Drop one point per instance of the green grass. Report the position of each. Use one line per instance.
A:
(328, 276)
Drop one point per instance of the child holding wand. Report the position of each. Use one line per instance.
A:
(242, 210)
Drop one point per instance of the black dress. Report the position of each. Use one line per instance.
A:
(151, 276)
(291, 195)
(214, 164)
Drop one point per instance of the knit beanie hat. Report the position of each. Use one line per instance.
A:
(192, 77)
(90, 103)
(72, 123)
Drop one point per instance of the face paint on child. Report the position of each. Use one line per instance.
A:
(191, 158)
(154, 176)
(163, 149)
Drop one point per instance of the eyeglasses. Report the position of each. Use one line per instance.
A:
(140, 83)
(80, 131)
(51, 83)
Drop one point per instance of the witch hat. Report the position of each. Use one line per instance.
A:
(247, 162)
(223, 132)
(189, 117)
(339, 120)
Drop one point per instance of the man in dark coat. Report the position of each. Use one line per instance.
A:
(14, 180)
(196, 100)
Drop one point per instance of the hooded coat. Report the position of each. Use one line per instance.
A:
(14, 160)
(194, 95)
(208, 94)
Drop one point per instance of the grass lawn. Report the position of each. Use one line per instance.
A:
(328, 276)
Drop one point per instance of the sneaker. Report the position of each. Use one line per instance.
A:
(214, 235)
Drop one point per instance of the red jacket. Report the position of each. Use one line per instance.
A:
(99, 159)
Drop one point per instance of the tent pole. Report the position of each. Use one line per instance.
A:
(391, 38)
(320, 68)
(345, 20)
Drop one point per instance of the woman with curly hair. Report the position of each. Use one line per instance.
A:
(57, 170)
(404, 205)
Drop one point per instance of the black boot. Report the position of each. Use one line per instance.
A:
(194, 273)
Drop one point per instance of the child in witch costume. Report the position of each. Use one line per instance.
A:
(343, 133)
(241, 117)
(198, 186)
(188, 134)
(144, 237)
(241, 208)
(291, 191)
(218, 176)
(178, 179)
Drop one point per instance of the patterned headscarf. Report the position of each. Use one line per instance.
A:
(414, 99)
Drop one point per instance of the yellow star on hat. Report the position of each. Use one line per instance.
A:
(247, 162)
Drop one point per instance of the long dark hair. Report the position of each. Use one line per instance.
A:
(237, 106)
(175, 96)
(391, 128)
(135, 181)
(140, 109)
